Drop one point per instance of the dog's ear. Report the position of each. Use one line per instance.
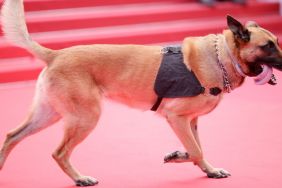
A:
(239, 31)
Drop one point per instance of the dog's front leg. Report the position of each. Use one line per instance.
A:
(186, 130)
(181, 125)
(204, 165)
(178, 156)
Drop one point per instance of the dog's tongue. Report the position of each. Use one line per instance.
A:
(265, 76)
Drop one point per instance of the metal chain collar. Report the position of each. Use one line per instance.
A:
(226, 82)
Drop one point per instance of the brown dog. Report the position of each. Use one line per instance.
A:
(75, 79)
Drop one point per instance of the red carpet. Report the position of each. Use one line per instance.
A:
(243, 135)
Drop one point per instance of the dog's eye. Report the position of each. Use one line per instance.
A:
(269, 46)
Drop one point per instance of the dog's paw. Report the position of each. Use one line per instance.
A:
(176, 157)
(218, 173)
(86, 181)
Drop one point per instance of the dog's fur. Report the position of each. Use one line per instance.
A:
(72, 84)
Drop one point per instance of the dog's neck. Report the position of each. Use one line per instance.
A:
(234, 60)
(233, 75)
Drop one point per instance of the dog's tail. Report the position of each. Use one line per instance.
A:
(15, 30)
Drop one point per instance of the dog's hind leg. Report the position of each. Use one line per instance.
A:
(75, 132)
(186, 131)
(79, 121)
(40, 117)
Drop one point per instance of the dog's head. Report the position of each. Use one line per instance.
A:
(259, 49)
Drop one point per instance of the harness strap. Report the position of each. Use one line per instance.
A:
(157, 104)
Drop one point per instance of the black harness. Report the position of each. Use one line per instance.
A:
(175, 80)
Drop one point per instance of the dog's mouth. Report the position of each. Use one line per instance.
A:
(263, 70)
(266, 76)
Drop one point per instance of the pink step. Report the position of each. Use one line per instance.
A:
(137, 33)
(18, 69)
(76, 18)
